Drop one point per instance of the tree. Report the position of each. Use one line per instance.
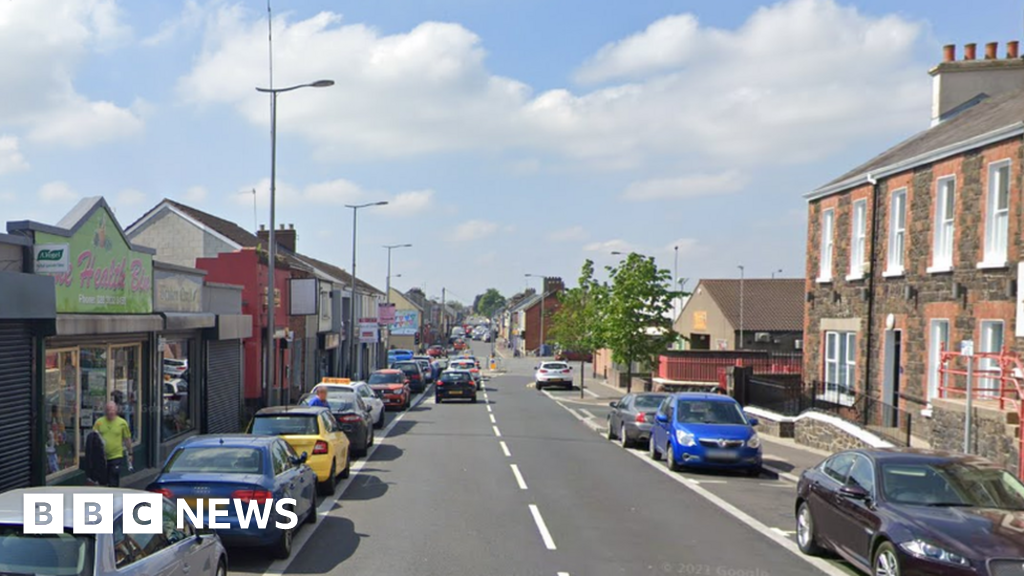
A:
(578, 324)
(488, 303)
(637, 322)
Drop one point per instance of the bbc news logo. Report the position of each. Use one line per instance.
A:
(143, 513)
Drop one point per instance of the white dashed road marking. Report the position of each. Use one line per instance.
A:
(549, 542)
(504, 448)
(496, 431)
(519, 477)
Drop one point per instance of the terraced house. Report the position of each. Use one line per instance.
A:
(915, 253)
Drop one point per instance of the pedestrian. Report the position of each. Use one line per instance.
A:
(117, 442)
(320, 397)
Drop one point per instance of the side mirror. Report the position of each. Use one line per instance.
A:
(613, 404)
(753, 421)
(663, 418)
(854, 492)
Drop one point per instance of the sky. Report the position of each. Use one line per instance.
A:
(510, 138)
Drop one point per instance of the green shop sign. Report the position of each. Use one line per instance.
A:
(106, 276)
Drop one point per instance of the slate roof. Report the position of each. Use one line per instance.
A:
(769, 305)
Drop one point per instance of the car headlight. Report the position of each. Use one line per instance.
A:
(754, 441)
(684, 438)
(927, 551)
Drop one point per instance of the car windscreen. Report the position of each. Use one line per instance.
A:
(952, 484)
(62, 554)
(216, 460)
(708, 412)
(408, 368)
(456, 377)
(555, 366)
(385, 379)
(649, 401)
(341, 401)
(285, 424)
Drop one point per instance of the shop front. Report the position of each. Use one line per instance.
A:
(223, 396)
(105, 343)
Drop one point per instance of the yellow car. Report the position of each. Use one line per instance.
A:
(309, 429)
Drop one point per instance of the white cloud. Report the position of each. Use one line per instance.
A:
(195, 195)
(57, 191)
(573, 234)
(798, 80)
(80, 123)
(689, 186)
(686, 246)
(410, 203)
(339, 191)
(191, 17)
(614, 245)
(11, 158)
(130, 197)
(471, 230)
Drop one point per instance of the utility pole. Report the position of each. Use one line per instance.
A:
(675, 280)
(387, 336)
(741, 346)
(444, 319)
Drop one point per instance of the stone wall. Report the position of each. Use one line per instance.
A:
(992, 432)
(825, 436)
(780, 428)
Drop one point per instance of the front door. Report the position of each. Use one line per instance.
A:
(891, 380)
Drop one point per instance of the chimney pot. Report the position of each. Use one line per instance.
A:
(1013, 49)
(263, 227)
(291, 226)
(970, 51)
(949, 53)
(282, 227)
(991, 50)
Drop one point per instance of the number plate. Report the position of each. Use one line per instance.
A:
(455, 392)
(717, 454)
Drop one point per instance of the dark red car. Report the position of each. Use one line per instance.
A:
(905, 511)
(571, 356)
(393, 385)
(435, 351)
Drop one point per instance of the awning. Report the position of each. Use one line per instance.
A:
(188, 320)
(234, 326)
(86, 324)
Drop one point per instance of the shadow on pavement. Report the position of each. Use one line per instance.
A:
(366, 487)
(779, 465)
(403, 427)
(385, 453)
(336, 539)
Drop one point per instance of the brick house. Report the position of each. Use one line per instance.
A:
(917, 250)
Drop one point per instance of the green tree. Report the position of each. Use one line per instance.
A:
(637, 322)
(489, 302)
(578, 324)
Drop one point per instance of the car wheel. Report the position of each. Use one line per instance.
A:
(437, 399)
(311, 515)
(371, 437)
(624, 440)
(652, 451)
(611, 431)
(670, 455)
(540, 387)
(472, 400)
(754, 472)
(380, 421)
(348, 468)
(887, 562)
(283, 548)
(805, 537)
(326, 488)
(222, 568)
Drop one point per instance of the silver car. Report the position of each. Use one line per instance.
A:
(172, 553)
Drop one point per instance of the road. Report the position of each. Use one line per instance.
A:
(521, 484)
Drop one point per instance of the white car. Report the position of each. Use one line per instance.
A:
(553, 374)
(369, 397)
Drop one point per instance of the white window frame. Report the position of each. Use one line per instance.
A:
(997, 219)
(943, 238)
(986, 330)
(897, 233)
(938, 341)
(840, 367)
(827, 247)
(858, 238)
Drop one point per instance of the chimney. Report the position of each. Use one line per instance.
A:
(285, 238)
(553, 284)
(959, 84)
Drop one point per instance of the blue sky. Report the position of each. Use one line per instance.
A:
(510, 137)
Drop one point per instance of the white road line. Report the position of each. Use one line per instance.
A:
(747, 519)
(594, 394)
(586, 412)
(549, 543)
(504, 448)
(496, 431)
(786, 533)
(493, 421)
(519, 477)
(563, 574)
(488, 407)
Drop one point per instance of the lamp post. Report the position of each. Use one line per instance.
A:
(271, 348)
(741, 306)
(543, 289)
(774, 272)
(389, 248)
(352, 347)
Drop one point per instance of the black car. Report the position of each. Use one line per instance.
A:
(455, 384)
(632, 416)
(907, 511)
(354, 416)
(412, 370)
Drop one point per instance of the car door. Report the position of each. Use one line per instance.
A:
(615, 418)
(824, 490)
(376, 405)
(286, 476)
(857, 520)
(193, 556)
(143, 554)
(659, 431)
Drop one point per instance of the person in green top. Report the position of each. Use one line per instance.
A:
(117, 442)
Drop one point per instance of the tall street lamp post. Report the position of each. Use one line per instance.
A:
(389, 248)
(270, 349)
(742, 346)
(352, 346)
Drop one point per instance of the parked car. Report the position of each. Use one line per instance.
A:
(908, 511)
(373, 399)
(311, 430)
(393, 385)
(553, 374)
(426, 368)
(459, 344)
(468, 365)
(458, 384)
(352, 414)
(436, 351)
(172, 551)
(705, 431)
(247, 467)
(414, 373)
(632, 416)
(399, 355)
(175, 368)
(572, 356)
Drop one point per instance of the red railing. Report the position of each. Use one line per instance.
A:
(711, 367)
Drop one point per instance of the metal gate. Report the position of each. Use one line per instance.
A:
(15, 405)
(223, 387)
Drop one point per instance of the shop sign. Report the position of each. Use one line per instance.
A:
(407, 323)
(326, 320)
(105, 275)
(178, 292)
(332, 340)
(368, 331)
(51, 259)
(386, 313)
(304, 296)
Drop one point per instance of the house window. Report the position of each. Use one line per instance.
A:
(840, 367)
(858, 238)
(938, 341)
(942, 250)
(998, 213)
(825, 258)
(897, 231)
(991, 343)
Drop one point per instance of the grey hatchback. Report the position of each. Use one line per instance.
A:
(631, 418)
(173, 552)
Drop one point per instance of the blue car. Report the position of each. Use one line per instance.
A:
(694, 430)
(245, 467)
(399, 356)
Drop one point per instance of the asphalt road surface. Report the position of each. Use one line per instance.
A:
(523, 483)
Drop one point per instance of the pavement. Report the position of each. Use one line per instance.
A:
(523, 483)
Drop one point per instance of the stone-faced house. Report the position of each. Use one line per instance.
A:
(917, 250)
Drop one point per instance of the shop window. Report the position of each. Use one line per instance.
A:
(125, 390)
(93, 364)
(61, 409)
(176, 402)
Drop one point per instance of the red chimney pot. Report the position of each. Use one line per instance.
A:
(970, 51)
(1013, 49)
(949, 53)
(991, 50)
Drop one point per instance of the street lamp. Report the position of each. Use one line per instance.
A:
(543, 289)
(389, 248)
(271, 348)
(774, 272)
(741, 307)
(352, 309)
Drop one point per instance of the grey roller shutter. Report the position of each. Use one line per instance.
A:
(15, 405)
(223, 387)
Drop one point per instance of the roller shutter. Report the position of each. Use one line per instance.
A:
(223, 387)
(15, 405)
